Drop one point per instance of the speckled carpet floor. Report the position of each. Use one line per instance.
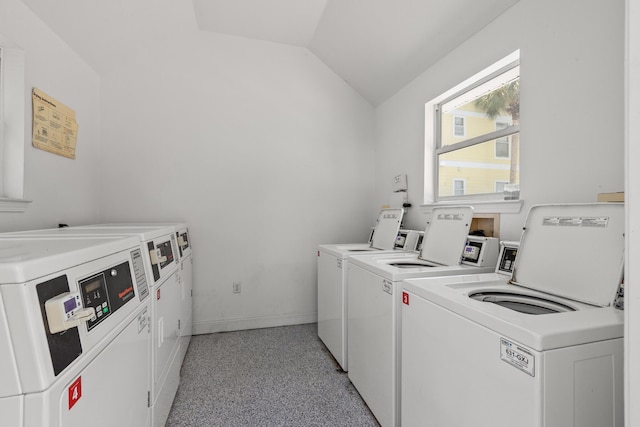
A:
(281, 376)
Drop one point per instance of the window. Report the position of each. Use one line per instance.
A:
(12, 130)
(477, 135)
(458, 187)
(458, 126)
(502, 148)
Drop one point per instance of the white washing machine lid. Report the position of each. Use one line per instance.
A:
(446, 235)
(397, 267)
(346, 250)
(386, 228)
(575, 251)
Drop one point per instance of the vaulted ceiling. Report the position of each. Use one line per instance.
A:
(377, 46)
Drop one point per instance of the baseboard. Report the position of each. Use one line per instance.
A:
(227, 325)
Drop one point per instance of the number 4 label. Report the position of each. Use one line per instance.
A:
(405, 298)
(75, 392)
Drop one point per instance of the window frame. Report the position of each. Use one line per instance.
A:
(438, 149)
(12, 126)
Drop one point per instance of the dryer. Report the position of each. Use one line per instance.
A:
(74, 332)
(159, 261)
(374, 299)
(11, 395)
(332, 281)
(184, 276)
(544, 348)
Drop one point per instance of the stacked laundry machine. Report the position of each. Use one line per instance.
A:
(75, 336)
(164, 259)
(543, 347)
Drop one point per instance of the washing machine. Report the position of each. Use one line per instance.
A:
(74, 332)
(544, 348)
(332, 281)
(413, 383)
(374, 298)
(158, 245)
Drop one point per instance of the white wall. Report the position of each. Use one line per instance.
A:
(260, 148)
(632, 198)
(61, 190)
(571, 104)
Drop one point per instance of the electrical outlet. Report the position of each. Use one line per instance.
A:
(236, 287)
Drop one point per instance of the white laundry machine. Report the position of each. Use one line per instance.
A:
(185, 273)
(158, 245)
(332, 287)
(374, 299)
(542, 349)
(332, 284)
(74, 332)
(185, 277)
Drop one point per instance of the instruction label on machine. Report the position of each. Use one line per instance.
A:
(451, 217)
(387, 286)
(518, 356)
(572, 221)
(138, 271)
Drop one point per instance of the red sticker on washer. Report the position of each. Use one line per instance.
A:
(75, 392)
(405, 298)
(158, 294)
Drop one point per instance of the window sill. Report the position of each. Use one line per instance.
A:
(479, 206)
(13, 205)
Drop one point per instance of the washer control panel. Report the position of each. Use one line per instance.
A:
(105, 292)
(480, 251)
(94, 291)
(472, 251)
(183, 241)
(508, 253)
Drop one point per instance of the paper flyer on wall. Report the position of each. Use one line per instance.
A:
(54, 125)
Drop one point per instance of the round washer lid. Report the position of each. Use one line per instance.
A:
(446, 234)
(574, 251)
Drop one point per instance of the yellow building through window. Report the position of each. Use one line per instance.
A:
(478, 136)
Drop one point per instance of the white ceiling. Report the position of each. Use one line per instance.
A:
(377, 46)
(283, 21)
